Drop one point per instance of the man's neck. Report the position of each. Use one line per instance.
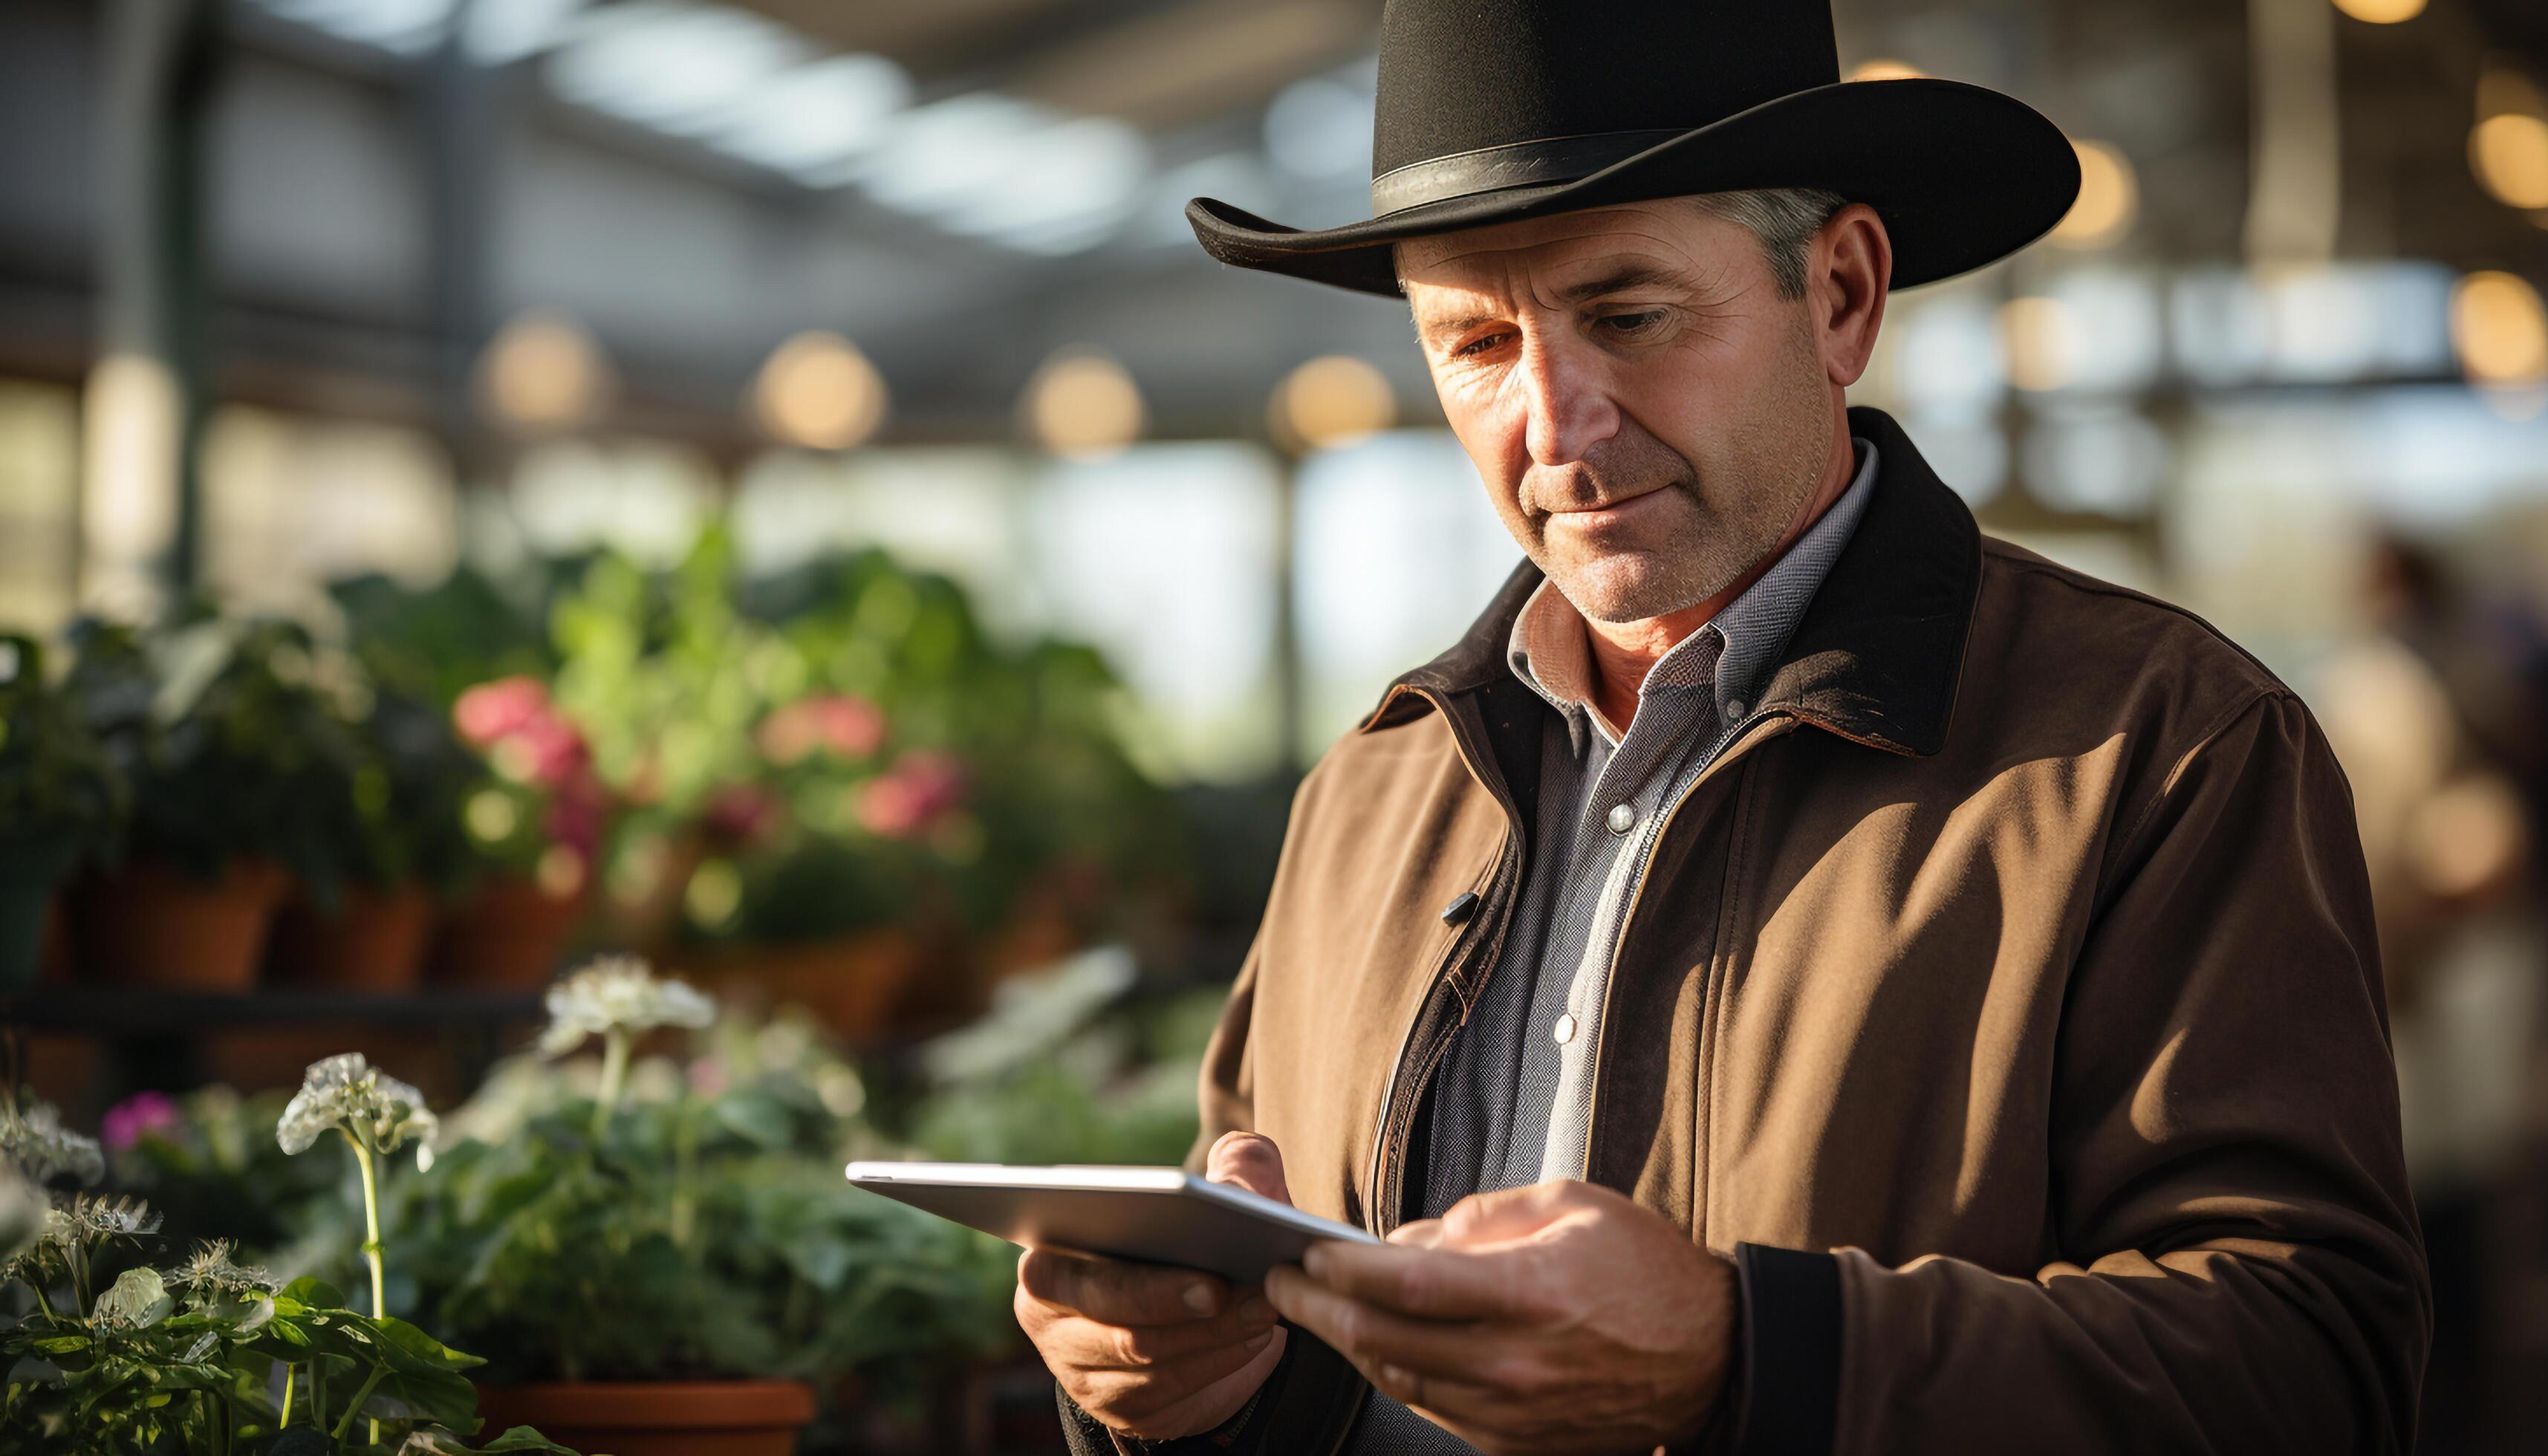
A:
(1623, 653)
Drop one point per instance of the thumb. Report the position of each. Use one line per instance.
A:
(1250, 1160)
(1505, 1214)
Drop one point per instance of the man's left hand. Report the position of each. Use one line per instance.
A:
(1550, 1318)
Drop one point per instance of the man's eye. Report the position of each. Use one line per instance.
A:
(1477, 346)
(1629, 323)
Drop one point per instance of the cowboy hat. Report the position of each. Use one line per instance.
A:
(1493, 111)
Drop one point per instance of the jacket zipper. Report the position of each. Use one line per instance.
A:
(1400, 1094)
(1735, 747)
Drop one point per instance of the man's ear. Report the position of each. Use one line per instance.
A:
(1852, 260)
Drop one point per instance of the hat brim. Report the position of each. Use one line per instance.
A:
(1961, 175)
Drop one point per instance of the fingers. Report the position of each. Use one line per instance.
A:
(1250, 1160)
(1115, 1293)
(1372, 1336)
(1512, 1213)
(1094, 1345)
(1153, 1407)
(1432, 1283)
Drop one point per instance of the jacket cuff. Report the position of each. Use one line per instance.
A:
(1790, 1351)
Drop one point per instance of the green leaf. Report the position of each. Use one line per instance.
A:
(411, 1348)
(139, 1300)
(523, 1438)
(315, 1294)
(755, 1118)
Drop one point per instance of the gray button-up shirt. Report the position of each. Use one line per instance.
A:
(1512, 1103)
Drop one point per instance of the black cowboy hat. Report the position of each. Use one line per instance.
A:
(1492, 110)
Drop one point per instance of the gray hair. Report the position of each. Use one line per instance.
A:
(1783, 219)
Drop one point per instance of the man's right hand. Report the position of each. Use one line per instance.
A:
(1150, 1351)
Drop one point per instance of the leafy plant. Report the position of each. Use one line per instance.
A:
(60, 794)
(232, 733)
(206, 1356)
(642, 1220)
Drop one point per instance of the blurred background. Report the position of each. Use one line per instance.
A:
(774, 487)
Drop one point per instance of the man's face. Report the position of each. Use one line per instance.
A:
(1648, 413)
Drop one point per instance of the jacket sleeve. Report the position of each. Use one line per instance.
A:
(2238, 1267)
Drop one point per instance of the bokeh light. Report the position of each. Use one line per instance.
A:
(1082, 405)
(1333, 400)
(544, 371)
(2109, 197)
(819, 392)
(2499, 328)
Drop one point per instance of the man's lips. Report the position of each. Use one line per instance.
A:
(1615, 513)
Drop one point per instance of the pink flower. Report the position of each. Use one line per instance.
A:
(918, 789)
(137, 1117)
(742, 813)
(845, 726)
(492, 711)
(707, 1077)
(575, 816)
(557, 751)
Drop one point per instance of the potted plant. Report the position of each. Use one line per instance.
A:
(113, 1353)
(649, 1251)
(61, 801)
(534, 823)
(362, 915)
(231, 733)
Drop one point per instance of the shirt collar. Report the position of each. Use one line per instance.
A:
(1550, 647)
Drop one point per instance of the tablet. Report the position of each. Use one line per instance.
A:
(1151, 1215)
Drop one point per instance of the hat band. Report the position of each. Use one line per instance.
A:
(1516, 164)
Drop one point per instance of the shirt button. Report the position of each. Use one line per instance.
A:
(1734, 709)
(1563, 1030)
(1624, 817)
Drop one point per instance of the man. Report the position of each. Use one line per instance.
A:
(1799, 975)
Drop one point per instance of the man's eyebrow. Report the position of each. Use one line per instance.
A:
(1637, 275)
(1619, 280)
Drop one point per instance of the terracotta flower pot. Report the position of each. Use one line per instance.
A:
(672, 1417)
(851, 984)
(374, 941)
(149, 924)
(507, 936)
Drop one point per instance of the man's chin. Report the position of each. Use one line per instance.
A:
(1621, 588)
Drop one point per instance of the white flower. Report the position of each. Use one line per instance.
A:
(618, 993)
(212, 1270)
(345, 1091)
(90, 1217)
(37, 1143)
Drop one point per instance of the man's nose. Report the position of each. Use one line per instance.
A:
(1566, 397)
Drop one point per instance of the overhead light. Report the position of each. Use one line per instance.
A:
(2499, 328)
(2509, 151)
(2382, 12)
(403, 27)
(2109, 197)
(994, 167)
(1333, 400)
(811, 119)
(676, 66)
(1082, 405)
(1884, 69)
(818, 390)
(500, 35)
(544, 371)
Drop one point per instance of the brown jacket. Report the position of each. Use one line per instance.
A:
(2015, 963)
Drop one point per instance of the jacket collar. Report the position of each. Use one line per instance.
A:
(1878, 655)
